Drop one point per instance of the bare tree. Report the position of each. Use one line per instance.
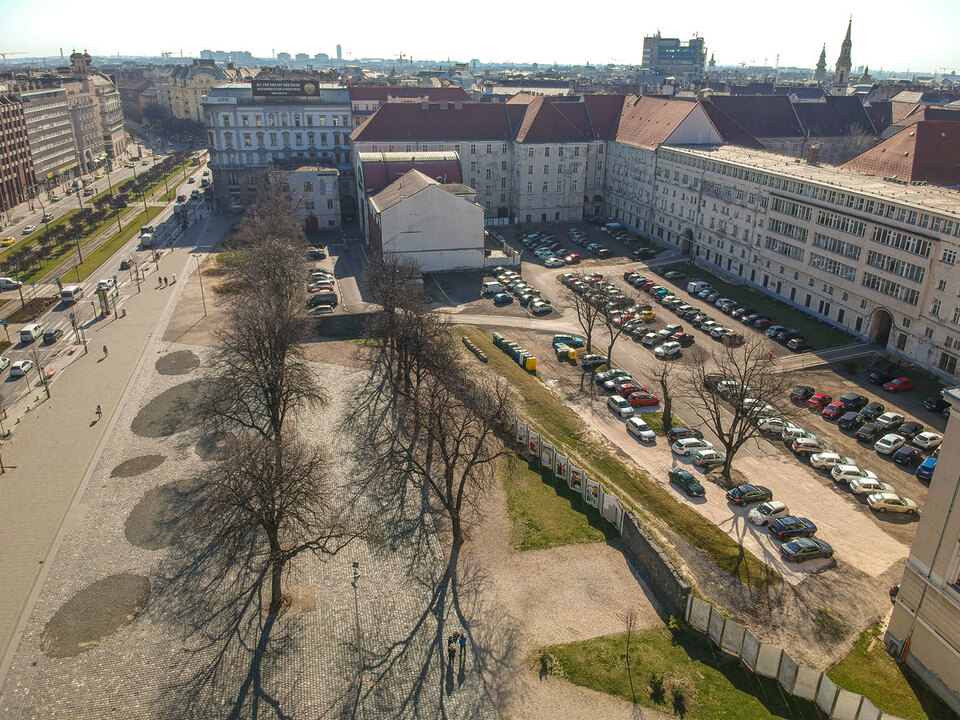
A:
(666, 375)
(752, 386)
(588, 313)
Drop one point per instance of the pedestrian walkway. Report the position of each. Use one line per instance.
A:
(57, 442)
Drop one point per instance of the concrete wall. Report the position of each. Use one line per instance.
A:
(773, 662)
(669, 585)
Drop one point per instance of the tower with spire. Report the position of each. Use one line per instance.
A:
(844, 65)
(820, 75)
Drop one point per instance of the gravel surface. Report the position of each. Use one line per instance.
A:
(137, 466)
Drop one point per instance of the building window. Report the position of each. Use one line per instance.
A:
(473, 167)
(559, 185)
(546, 186)
(489, 173)
(529, 187)
(329, 204)
(308, 187)
(935, 310)
(956, 316)
(503, 182)
(489, 148)
(942, 285)
(503, 165)
(529, 169)
(473, 149)
(546, 169)
(901, 341)
(546, 152)
(948, 363)
(949, 257)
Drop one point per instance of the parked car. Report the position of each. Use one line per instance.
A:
(852, 401)
(890, 421)
(29, 229)
(690, 445)
(798, 344)
(899, 384)
(687, 482)
(818, 401)
(593, 361)
(926, 468)
(790, 527)
(679, 433)
(607, 375)
(826, 461)
(891, 502)
(937, 405)
(909, 430)
(51, 336)
(848, 473)
(667, 350)
(749, 494)
(803, 549)
(771, 425)
(801, 393)
(768, 511)
(889, 444)
(808, 446)
(908, 455)
(642, 399)
(871, 411)
(502, 299)
(850, 421)
(708, 458)
(640, 430)
(868, 486)
(20, 368)
(620, 406)
(928, 440)
(833, 410)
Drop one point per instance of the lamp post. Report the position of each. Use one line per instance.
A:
(43, 378)
(200, 277)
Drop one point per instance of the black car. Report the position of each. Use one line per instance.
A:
(805, 549)
(879, 377)
(852, 401)
(51, 336)
(749, 494)
(850, 421)
(687, 481)
(908, 455)
(785, 336)
(741, 313)
(937, 405)
(790, 527)
(679, 433)
(872, 411)
(801, 393)
(869, 432)
(909, 430)
(749, 318)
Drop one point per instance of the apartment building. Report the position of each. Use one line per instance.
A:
(314, 193)
(924, 629)
(272, 124)
(50, 132)
(181, 93)
(16, 167)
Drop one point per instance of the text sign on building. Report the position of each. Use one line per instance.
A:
(284, 88)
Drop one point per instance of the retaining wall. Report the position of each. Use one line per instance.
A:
(664, 579)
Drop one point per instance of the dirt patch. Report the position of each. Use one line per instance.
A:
(137, 466)
(172, 411)
(334, 352)
(94, 614)
(162, 514)
(178, 363)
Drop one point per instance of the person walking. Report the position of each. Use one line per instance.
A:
(105, 351)
(463, 645)
(99, 413)
(165, 283)
(452, 650)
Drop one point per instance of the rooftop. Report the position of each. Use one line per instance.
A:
(408, 185)
(407, 156)
(928, 197)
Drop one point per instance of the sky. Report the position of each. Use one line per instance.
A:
(919, 35)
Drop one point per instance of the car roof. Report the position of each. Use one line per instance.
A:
(804, 543)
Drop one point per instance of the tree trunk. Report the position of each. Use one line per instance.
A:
(727, 463)
(457, 527)
(667, 416)
(276, 575)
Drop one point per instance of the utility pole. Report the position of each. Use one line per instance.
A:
(43, 378)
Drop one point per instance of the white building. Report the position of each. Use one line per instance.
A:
(437, 226)
(314, 194)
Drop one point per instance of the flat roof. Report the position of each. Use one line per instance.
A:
(423, 156)
(929, 197)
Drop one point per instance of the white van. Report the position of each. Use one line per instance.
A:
(697, 286)
(71, 294)
(30, 333)
(491, 288)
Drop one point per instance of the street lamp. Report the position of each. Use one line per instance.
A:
(43, 378)
(200, 277)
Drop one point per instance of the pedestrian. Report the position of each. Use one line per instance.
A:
(99, 412)
(771, 355)
(104, 350)
(463, 645)
(165, 283)
(451, 651)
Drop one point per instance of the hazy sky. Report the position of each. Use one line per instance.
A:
(919, 35)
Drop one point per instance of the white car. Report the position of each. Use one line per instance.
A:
(891, 502)
(828, 460)
(29, 229)
(668, 350)
(20, 368)
(925, 440)
(553, 262)
(765, 512)
(771, 424)
(686, 446)
(889, 418)
(620, 406)
(4, 363)
(889, 444)
(649, 339)
(868, 486)
(849, 473)
(640, 430)
(106, 284)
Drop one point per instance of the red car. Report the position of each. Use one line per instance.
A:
(629, 274)
(833, 410)
(627, 388)
(572, 259)
(899, 385)
(762, 324)
(683, 338)
(819, 401)
(639, 399)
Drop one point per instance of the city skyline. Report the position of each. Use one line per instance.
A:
(754, 36)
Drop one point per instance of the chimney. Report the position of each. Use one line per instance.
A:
(813, 155)
(458, 105)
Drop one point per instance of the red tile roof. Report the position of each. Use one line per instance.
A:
(381, 93)
(543, 122)
(379, 173)
(401, 122)
(604, 112)
(647, 122)
(929, 151)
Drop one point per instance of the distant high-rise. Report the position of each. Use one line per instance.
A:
(669, 56)
(339, 53)
(842, 74)
(820, 75)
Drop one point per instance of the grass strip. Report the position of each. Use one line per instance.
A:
(98, 257)
(563, 427)
(894, 689)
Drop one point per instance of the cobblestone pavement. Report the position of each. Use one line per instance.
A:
(373, 647)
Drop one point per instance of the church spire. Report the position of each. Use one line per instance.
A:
(844, 63)
(820, 75)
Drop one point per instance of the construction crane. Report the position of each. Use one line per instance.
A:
(4, 55)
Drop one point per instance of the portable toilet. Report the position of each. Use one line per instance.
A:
(531, 364)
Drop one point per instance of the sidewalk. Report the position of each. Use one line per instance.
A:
(58, 442)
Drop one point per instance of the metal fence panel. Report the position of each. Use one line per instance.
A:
(716, 625)
(847, 705)
(768, 660)
(788, 672)
(732, 638)
(750, 650)
(807, 683)
(827, 694)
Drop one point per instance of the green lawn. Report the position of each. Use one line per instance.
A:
(98, 257)
(817, 333)
(542, 515)
(655, 421)
(714, 685)
(892, 688)
(563, 427)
